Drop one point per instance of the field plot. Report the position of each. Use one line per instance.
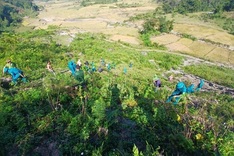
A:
(127, 39)
(165, 39)
(195, 48)
(186, 41)
(202, 32)
(231, 56)
(180, 48)
(201, 48)
(104, 18)
(219, 54)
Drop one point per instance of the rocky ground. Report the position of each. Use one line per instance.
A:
(208, 86)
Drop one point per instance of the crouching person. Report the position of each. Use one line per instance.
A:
(15, 74)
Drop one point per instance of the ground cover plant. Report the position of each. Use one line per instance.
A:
(117, 113)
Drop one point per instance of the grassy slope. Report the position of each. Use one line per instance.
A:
(39, 98)
(54, 109)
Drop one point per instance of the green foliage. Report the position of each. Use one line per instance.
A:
(154, 26)
(126, 5)
(143, 16)
(189, 6)
(115, 114)
(213, 10)
(12, 12)
(92, 2)
(189, 37)
(146, 40)
(228, 25)
(160, 24)
(221, 20)
(136, 151)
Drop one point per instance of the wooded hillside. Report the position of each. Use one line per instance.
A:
(12, 12)
(116, 110)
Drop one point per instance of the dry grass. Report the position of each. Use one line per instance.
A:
(197, 49)
(231, 57)
(185, 41)
(165, 39)
(201, 48)
(127, 39)
(180, 47)
(219, 54)
(200, 31)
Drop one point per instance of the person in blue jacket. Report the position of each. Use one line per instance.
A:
(72, 67)
(180, 89)
(15, 74)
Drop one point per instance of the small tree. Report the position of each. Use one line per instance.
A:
(160, 24)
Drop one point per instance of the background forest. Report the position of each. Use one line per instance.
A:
(118, 112)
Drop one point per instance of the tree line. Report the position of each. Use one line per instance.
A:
(189, 6)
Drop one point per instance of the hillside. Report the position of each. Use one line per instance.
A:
(213, 43)
(117, 111)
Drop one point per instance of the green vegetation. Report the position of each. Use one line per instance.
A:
(188, 36)
(155, 26)
(221, 75)
(160, 24)
(116, 114)
(214, 10)
(126, 5)
(91, 2)
(155, 23)
(12, 12)
(189, 6)
(222, 20)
